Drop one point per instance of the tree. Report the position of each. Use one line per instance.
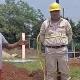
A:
(76, 34)
(14, 16)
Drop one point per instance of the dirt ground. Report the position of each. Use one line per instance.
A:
(74, 62)
(29, 53)
(10, 72)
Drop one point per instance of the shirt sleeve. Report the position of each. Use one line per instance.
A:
(69, 31)
(42, 32)
(4, 41)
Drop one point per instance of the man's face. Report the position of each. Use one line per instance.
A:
(55, 14)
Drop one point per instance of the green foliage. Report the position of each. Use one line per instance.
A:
(18, 17)
(76, 31)
(76, 34)
(77, 46)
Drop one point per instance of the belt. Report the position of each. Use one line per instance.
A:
(56, 46)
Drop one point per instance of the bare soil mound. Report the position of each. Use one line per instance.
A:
(11, 72)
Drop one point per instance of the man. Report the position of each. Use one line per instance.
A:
(4, 43)
(55, 34)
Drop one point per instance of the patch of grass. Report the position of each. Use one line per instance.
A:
(75, 72)
(31, 66)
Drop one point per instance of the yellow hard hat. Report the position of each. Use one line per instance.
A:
(54, 6)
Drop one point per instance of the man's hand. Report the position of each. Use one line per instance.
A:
(21, 42)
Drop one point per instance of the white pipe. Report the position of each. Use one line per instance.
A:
(20, 60)
(23, 46)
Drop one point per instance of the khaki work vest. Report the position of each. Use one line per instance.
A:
(55, 34)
